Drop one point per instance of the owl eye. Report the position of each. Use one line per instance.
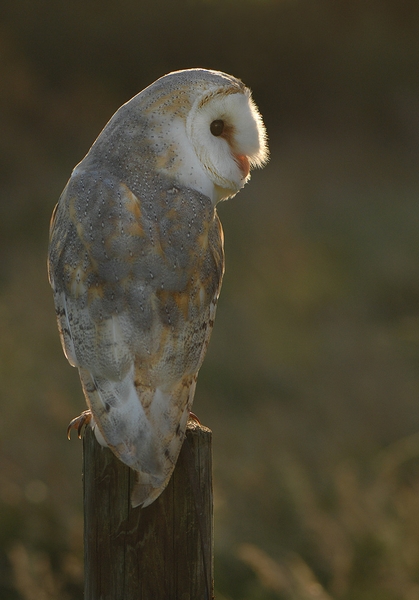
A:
(217, 127)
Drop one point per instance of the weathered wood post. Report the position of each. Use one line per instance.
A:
(162, 552)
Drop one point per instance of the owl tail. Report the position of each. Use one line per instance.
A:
(144, 492)
(148, 488)
(144, 427)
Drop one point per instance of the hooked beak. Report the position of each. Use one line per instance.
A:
(244, 164)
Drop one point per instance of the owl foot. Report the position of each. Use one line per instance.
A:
(79, 422)
(192, 417)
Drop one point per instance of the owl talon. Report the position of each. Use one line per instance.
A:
(193, 417)
(79, 423)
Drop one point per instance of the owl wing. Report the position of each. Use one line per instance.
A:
(136, 284)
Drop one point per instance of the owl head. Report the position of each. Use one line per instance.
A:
(200, 127)
(207, 131)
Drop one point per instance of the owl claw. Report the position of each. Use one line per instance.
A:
(193, 417)
(78, 423)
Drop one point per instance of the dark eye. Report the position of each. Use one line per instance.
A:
(217, 127)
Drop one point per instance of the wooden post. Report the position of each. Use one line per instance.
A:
(162, 552)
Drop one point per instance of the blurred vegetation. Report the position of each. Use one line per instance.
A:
(311, 383)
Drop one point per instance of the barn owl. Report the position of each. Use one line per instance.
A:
(136, 260)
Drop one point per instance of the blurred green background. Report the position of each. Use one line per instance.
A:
(311, 382)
